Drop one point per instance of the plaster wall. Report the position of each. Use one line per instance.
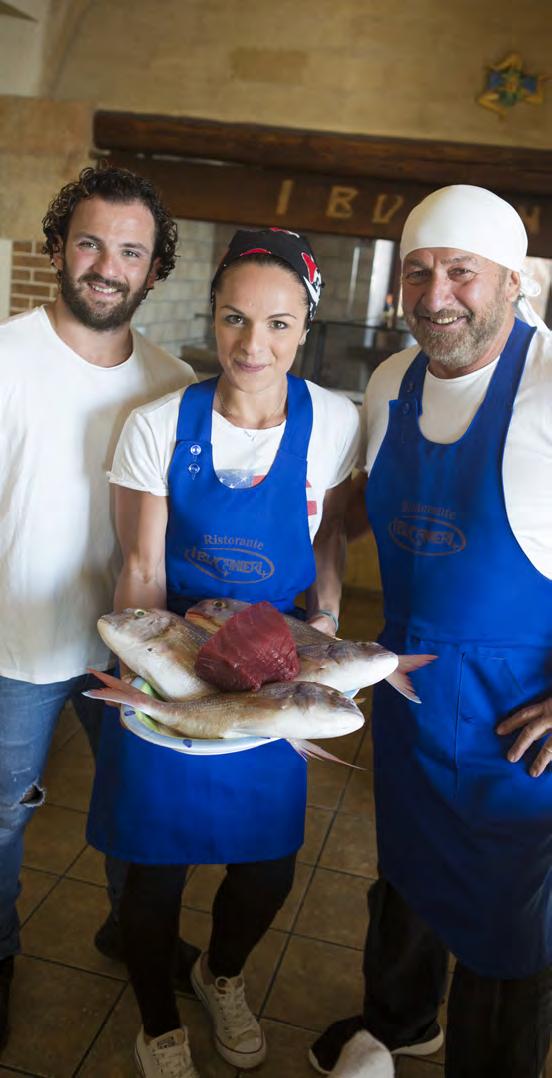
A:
(22, 44)
(43, 144)
(376, 67)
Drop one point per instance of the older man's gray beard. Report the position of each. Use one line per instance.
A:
(476, 333)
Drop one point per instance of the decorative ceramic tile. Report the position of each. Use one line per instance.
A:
(287, 1049)
(326, 783)
(358, 797)
(55, 1014)
(62, 929)
(351, 846)
(195, 926)
(54, 838)
(202, 886)
(334, 909)
(112, 1054)
(68, 779)
(317, 824)
(286, 917)
(316, 984)
(418, 1068)
(88, 867)
(35, 887)
(20, 1073)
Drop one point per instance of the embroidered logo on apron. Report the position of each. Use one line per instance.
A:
(426, 535)
(231, 564)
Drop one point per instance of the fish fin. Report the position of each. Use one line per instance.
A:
(407, 663)
(109, 679)
(308, 748)
(400, 680)
(118, 692)
(109, 696)
(402, 683)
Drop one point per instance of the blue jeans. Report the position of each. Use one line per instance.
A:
(28, 715)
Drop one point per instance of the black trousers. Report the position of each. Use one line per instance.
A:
(245, 905)
(495, 1028)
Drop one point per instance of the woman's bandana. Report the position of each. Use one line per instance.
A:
(290, 247)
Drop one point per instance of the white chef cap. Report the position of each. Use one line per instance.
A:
(476, 220)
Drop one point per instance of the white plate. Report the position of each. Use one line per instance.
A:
(151, 731)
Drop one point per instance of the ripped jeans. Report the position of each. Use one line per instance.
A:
(28, 715)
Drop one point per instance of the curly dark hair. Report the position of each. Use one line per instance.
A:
(113, 185)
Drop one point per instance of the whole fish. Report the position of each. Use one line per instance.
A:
(159, 646)
(162, 648)
(341, 664)
(293, 710)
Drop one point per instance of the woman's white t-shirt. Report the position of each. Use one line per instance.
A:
(241, 458)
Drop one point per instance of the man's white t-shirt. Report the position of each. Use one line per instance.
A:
(60, 418)
(448, 407)
(241, 458)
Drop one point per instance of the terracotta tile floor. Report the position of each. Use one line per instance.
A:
(73, 1010)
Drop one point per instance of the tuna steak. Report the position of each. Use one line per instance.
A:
(252, 648)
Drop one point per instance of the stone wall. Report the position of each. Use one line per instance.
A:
(43, 144)
(176, 311)
(380, 67)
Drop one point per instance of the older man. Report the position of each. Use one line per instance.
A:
(458, 450)
(69, 375)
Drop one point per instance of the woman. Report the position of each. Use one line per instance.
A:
(221, 490)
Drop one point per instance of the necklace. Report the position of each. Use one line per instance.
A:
(226, 411)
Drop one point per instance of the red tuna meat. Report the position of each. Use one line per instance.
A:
(253, 647)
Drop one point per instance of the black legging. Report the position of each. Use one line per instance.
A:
(245, 905)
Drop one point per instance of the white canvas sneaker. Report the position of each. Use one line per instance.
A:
(238, 1036)
(167, 1056)
(364, 1057)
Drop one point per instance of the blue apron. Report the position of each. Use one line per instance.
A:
(463, 834)
(155, 806)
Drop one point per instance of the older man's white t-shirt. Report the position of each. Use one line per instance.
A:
(448, 407)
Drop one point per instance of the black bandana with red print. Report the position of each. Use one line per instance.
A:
(290, 247)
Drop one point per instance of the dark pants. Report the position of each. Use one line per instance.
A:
(245, 905)
(495, 1028)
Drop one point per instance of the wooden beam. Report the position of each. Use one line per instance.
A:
(502, 168)
(243, 195)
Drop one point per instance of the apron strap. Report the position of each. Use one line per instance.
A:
(195, 416)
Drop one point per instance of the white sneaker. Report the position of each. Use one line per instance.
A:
(238, 1036)
(364, 1057)
(167, 1056)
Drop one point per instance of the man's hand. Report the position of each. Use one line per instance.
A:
(534, 721)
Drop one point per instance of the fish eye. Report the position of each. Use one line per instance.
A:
(139, 613)
(219, 604)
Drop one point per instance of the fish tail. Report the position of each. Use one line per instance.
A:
(400, 680)
(309, 748)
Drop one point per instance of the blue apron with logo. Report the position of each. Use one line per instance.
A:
(156, 806)
(463, 834)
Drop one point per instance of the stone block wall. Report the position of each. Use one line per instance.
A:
(176, 312)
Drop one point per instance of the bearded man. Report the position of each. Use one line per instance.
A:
(70, 374)
(458, 455)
